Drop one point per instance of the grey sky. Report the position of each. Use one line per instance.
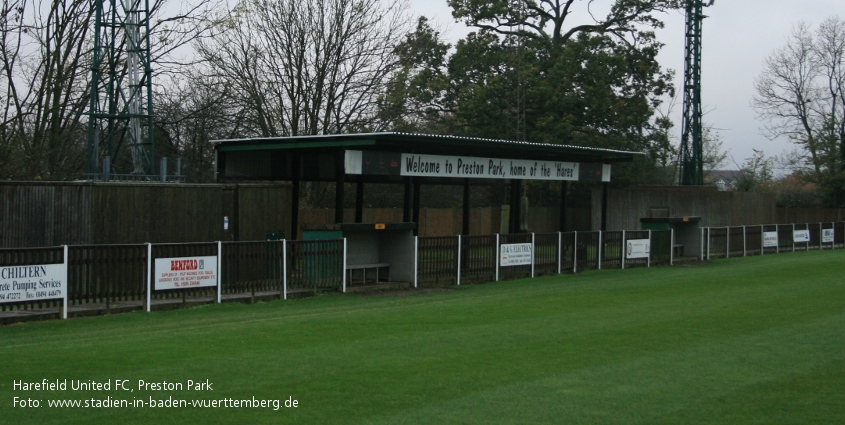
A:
(737, 36)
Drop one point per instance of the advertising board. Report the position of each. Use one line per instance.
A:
(33, 282)
(800, 236)
(637, 248)
(770, 239)
(827, 235)
(518, 254)
(185, 272)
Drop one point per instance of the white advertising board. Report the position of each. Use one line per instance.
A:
(456, 166)
(407, 164)
(770, 239)
(799, 236)
(31, 283)
(518, 254)
(637, 248)
(185, 272)
(827, 235)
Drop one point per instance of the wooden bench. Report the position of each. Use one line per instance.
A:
(677, 250)
(364, 267)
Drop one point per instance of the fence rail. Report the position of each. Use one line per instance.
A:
(113, 275)
(765, 239)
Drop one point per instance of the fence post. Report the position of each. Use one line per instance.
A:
(793, 237)
(575, 254)
(343, 279)
(671, 246)
(807, 244)
(219, 272)
(701, 254)
(762, 240)
(149, 272)
(728, 242)
(744, 242)
(708, 244)
(648, 259)
(498, 256)
(600, 246)
(459, 260)
(416, 259)
(777, 231)
(624, 251)
(559, 251)
(67, 286)
(533, 249)
(285, 269)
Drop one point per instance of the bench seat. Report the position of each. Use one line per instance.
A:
(364, 268)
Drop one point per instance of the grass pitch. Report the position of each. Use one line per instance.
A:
(743, 341)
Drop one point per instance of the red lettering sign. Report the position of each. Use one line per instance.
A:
(184, 265)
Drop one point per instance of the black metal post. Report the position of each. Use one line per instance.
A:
(516, 197)
(359, 200)
(604, 189)
(416, 207)
(564, 193)
(466, 208)
(407, 200)
(295, 193)
(338, 190)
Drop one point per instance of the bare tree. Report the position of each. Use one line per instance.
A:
(46, 71)
(800, 94)
(306, 67)
(189, 115)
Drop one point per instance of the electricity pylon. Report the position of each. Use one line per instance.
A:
(120, 116)
(691, 163)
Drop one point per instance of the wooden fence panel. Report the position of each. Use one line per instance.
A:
(736, 241)
(661, 247)
(753, 240)
(612, 249)
(785, 242)
(546, 255)
(106, 273)
(251, 267)
(567, 253)
(716, 242)
(315, 265)
(438, 260)
(587, 251)
(478, 259)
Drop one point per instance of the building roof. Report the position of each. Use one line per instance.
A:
(430, 144)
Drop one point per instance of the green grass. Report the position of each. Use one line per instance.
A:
(742, 341)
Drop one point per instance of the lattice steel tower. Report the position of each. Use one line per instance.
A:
(120, 119)
(516, 115)
(691, 162)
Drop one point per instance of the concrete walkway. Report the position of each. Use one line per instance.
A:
(113, 307)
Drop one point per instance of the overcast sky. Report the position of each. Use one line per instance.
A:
(737, 36)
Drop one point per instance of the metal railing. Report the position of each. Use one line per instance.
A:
(111, 276)
(472, 259)
(108, 276)
(740, 241)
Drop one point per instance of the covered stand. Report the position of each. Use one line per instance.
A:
(412, 160)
